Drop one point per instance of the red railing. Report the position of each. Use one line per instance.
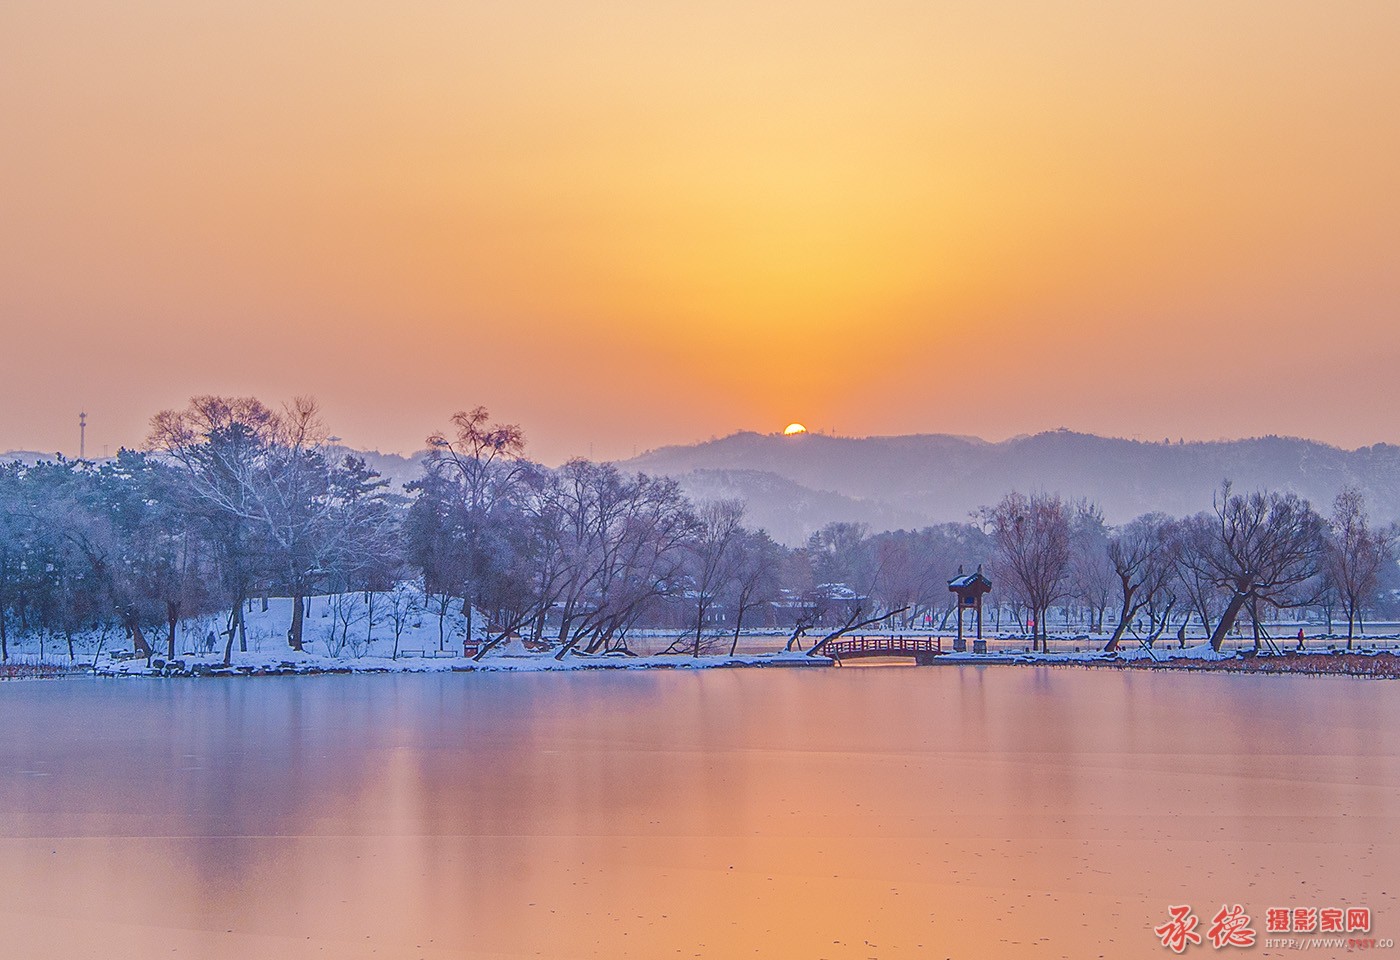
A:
(29, 670)
(882, 646)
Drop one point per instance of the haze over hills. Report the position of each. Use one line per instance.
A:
(795, 484)
(27, 456)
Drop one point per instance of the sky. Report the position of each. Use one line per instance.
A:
(628, 224)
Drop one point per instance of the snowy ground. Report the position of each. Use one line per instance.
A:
(505, 658)
(513, 657)
(347, 635)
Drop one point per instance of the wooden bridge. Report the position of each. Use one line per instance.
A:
(922, 649)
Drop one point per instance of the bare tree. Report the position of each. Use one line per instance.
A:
(404, 607)
(755, 578)
(1263, 547)
(847, 583)
(488, 461)
(1191, 537)
(220, 443)
(914, 566)
(1032, 538)
(478, 445)
(627, 550)
(1355, 556)
(855, 620)
(1141, 555)
(346, 610)
(291, 502)
(1091, 576)
(714, 556)
(276, 503)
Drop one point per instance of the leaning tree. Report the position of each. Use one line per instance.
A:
(1263, 548)
(1141, 554)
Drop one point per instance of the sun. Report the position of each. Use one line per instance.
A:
(793, 428)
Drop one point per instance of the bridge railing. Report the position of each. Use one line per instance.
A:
(874, 646)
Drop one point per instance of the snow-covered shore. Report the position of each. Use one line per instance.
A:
(1383, 664)
(292, 664)
(514, 657)
(344, 635)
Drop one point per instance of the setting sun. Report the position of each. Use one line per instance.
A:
(794, 428)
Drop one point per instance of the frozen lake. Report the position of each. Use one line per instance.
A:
(853, 813)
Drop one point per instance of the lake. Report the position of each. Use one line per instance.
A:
(852, 813)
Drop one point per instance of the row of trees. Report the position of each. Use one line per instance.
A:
(1250, 556)
(232, 502)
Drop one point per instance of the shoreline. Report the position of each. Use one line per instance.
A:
(1375, 665)
(1371, 664)
(246, 665)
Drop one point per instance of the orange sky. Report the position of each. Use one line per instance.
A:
(624, 224)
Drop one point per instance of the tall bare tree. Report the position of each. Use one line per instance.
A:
(1356, 554)
(1142, 557)
(625, 539)
(489, 464)
(294, 507)
(1263, 548)
(755, 580)
(1032, 538)
(222, 444)
(714, 558)
(1191, 537)
(1091, 576)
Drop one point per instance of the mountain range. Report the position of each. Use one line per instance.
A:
(795, 484)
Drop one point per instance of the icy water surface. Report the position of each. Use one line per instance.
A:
(938, 812)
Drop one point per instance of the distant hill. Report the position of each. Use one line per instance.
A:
(28, 457)
(395, 468)
(795, 484)
(789, 511)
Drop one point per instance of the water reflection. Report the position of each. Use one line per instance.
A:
(849, 813)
